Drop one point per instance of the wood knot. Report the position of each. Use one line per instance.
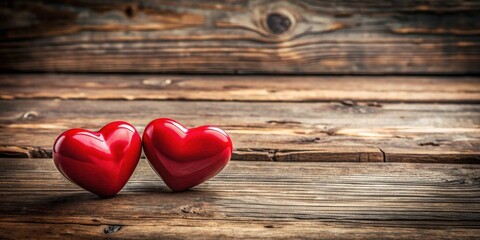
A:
(278, 23)
(30, 115)
(197, 209)
(112, 228)
(349, 103)
(432, 143)
(309, 139)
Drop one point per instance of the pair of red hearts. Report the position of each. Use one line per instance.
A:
(102, 162)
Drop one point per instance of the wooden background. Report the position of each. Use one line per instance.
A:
(350, 119)
(242, 36)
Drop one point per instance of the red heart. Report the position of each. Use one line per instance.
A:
(100, 162)
(185, 157)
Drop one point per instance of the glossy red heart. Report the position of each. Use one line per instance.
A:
(100, 162)
(185, 157)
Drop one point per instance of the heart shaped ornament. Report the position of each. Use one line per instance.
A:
(183, 157)
(100, 162)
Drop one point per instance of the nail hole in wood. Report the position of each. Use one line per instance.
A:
(278, 23)
(129, 11)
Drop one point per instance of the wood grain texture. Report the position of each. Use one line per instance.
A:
(267, 131)
(373, 89)
(249, 200)
(241, 36)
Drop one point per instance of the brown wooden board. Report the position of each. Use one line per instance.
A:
(371, 89)
(241, 36)
(249, 200)
(268, 131)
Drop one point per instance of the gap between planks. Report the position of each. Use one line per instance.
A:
(239, 154)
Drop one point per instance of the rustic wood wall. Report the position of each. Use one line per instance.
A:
(242, 36)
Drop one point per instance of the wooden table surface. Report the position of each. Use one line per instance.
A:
(315, 157)
(250, 200)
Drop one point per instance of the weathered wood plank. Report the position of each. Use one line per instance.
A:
(250, 200)
(240, 88)
(210, 229)
(268, 131)
(241, 36)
